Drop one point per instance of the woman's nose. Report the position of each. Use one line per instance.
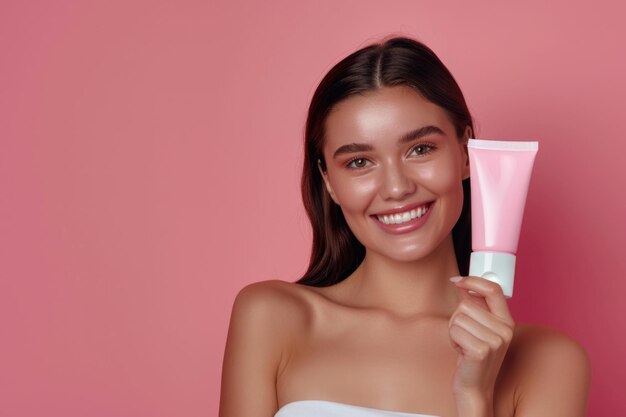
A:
(396, 182)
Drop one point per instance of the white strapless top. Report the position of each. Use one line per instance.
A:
(321, 408)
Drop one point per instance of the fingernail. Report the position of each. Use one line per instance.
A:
(456, 279)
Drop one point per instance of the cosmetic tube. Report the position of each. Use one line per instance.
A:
(500, 174)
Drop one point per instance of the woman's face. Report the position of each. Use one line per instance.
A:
(395, 166)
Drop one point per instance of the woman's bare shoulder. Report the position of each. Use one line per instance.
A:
(281, 302)
(539, 339)
(545, 359)
(276, 291)
(265, 318)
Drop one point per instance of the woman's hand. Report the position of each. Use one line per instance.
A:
(481, 330)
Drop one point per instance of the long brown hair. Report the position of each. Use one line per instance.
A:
(336, 252)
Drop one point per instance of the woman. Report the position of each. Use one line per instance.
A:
(382, 323)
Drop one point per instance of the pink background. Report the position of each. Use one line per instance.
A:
(149, 168)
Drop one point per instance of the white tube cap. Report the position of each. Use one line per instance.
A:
(495, 266)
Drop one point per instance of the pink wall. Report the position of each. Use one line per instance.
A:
(149, 163)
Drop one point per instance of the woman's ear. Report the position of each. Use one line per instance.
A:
(329, 188)
(466, 136)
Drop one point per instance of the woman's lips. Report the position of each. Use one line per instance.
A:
(420, 214)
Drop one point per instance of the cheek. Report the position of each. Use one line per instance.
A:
(441, 177)
(354, 193)
(446, 181)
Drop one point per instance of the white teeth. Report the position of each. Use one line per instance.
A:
(403, 217)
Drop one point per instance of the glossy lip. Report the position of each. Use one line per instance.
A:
(407, 227)
(403, 208)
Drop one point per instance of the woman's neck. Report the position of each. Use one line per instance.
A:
(406, 289)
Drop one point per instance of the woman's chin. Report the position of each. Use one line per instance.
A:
(405, 254)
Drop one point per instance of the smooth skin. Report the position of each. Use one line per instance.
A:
(397, 334)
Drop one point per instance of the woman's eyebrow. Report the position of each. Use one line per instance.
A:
(352, 148)
(419, 133)
(407, 137)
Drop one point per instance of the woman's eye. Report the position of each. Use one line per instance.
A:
(423, 149)
(357, 163)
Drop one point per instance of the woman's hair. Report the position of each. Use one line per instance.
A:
(336, 252)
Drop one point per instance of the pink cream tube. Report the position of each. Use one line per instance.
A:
(500, 174)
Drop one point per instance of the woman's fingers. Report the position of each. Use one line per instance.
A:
(481, 329)
(493, 337)
(488, 320)
(468, 344)
(485, 315)
(491, 291)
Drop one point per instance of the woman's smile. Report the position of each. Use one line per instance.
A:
(404, 221)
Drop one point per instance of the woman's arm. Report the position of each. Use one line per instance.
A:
(552, 370)
(481, 330)
(252, 355)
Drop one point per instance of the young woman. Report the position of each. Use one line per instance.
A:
(383, 323)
